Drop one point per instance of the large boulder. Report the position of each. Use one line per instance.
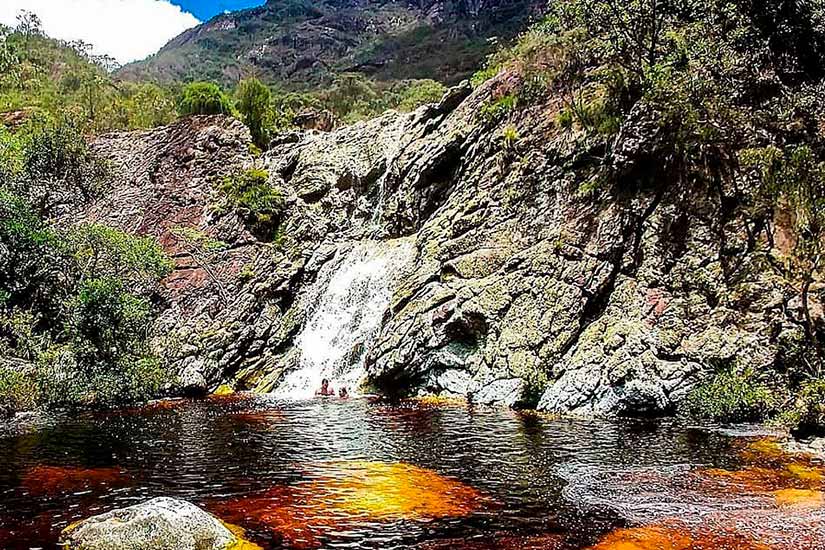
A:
(158, 524)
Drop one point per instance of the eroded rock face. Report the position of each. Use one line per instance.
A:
(159, 524)
(524, 291)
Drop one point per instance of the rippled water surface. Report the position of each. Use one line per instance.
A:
(366, 474)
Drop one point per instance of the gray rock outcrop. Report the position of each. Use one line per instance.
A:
(525, 290)
(158, 524)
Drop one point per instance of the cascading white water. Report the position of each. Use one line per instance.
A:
(350, 299)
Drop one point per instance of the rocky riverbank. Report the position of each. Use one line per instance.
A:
(525, 291)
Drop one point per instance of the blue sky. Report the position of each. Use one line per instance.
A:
(205, 9)
(125, 29)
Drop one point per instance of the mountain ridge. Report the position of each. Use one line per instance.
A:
(300, 44)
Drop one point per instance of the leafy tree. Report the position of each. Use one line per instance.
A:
(99, 249)
(253, 103)
(57, 168)
(148, 105)
(203, 98)
(9, 61)
(29, 25)
(75, 304)
(105, 322)
(794, 179)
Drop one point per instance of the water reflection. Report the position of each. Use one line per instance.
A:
(336, 497)
(367, 474)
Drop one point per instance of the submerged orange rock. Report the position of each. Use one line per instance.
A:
(50, 480)
(667, 537)
(646, 538)
(802, 498)
(240, 534)
(339, 495)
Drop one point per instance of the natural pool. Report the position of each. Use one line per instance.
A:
(368, 474)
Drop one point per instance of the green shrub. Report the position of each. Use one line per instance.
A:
(106, 322)
(146, 105)
(510, 138)
(253, 103)
(731, 397)
(61, 383)
(203, 98)
(57, 167)
(806, 416)
(418, 93)
(500, 108)
(76, 302)
(102, 250)
(253, 198)
(18, 391)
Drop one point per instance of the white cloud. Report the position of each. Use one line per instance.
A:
(125, 29)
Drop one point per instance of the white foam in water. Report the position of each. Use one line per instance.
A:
(662, 494)
(351, 297)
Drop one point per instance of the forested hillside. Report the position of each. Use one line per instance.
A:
(305, 45)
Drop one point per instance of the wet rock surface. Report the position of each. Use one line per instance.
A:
(159, 524)
(524, 290)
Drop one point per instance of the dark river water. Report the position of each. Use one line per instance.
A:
(367, 474)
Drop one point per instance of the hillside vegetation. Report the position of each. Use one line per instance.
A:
(76, 302)
(64, 80)
(302, 45)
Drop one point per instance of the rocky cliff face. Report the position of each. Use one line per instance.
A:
(308, 43)
(520, 290)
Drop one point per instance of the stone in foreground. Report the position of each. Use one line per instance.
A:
(158, 524)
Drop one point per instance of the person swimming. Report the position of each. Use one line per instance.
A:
(343, 393)
(325, 389)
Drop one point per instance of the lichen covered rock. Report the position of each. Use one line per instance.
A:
(523, 292)
(158, 524)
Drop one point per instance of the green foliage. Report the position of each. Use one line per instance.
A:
(75, 303)
(794, 178)
(64, 79)
(806, 416)
(250, 195)
(353, 97)
(105, 321)
(510, 137)
(253, 103)
(18, 392)
(56, 167)
(417, 93)
(731, 397)
(138, 261)
(198, 239)
(500, 108)
(247, 273)
(203, 98)
(145, 105)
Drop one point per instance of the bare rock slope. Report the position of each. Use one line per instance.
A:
(521, 290)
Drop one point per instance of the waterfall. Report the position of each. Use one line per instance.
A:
(347, 308)
(391, 155)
